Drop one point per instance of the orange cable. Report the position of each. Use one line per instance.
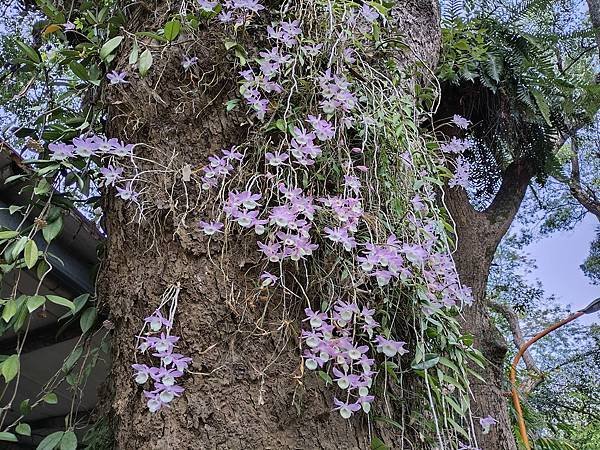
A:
(513, 372)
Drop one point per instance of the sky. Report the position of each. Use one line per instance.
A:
(558, 258)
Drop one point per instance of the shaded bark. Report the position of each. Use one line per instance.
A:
(478, 234)
(246, 390)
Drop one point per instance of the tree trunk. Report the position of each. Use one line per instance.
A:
(246, 390)
(479, 233)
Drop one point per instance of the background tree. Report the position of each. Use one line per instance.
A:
(536, 94)
(558, 374)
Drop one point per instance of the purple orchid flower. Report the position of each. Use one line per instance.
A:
(210, 228)
(142, 373)
(111, 174)
(276, 159)
(323, 129)
(312, 338)
(345, 380)
(208, 5)
(368, 13)
(365, 402)
(268, 279)
(127, 193)
(154, 402)
(486, 423)
(168, 393)
(61, 151)
(346, 310)
(117, 77)
(312, 361)
(189, 62)
(346, 409)
(389, 347)
(157, 321)
(162, 344)
(460, 121)
(232, 154)
(315, 318)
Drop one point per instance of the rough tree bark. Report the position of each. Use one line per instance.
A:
(246, 391)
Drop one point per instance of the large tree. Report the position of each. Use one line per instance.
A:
(248, 391)
(325, 117)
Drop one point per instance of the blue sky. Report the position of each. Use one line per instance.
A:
(558, 258)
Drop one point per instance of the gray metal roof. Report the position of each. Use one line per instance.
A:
(75, 258)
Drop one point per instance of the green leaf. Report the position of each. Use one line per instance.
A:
(145, 62)
(378, 444)
(8, 437)
(19, 246)
(61, 301)
(458, 428)
(231, 104)
(135, 53)
(17, 177)
(431, 359)
(31, 254)
(52, 229)
(79, 70)
(79, 303)
(23, 429)
(9, 310)
(68, 441)
(542, 105)
(51, 441)
(25, 407)
(34, 302)
(325, 377)
(22, 314)
(109, 46)
(10, 368)
(72, 359)
(172, 30)
(87, 319)
(280, 124)
(43, 187)
(51, 398)
(149, 34)
(30, 52)
(42, 268)
(8, 234)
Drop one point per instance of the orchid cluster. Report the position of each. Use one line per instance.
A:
(88, 147)
(332, 339)
(331, 137)
(270, 64)
(160, 343)
(102, 150)
(237, 12)
(219, 167)
(457, 146)
(295, 222)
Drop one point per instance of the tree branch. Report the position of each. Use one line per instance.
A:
(517, 333)
(575, 186)
(507, 201)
